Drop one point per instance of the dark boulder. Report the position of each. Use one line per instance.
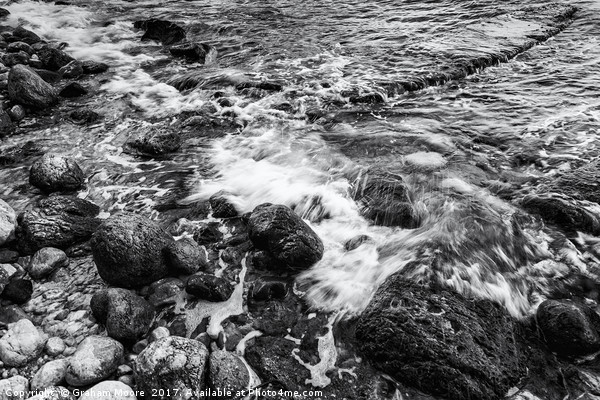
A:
(53, 59)
(154, 142)
(12, 59)
(227, 373)
(162, 31)
(196, 52)
(289, 240)
(207, 233)
(59, 221)
(4, 13)
(73, 89)
(570, 329)
(29, 89)
(264, 289)
(45, 261)
(48, 76)
(467, 347)
(126, 315)
(72, 70)
(16, 47)
(185, 256)
(24, 35)
(221, 206)
(209, 287)
(128, 250)
(54, 173)
(6, 124)
(93, 67)
(165, 292)
(18, 291)
(356, 242)
(567, 213)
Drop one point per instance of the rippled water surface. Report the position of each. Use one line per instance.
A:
(467, 148)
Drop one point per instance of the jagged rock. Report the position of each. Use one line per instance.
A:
(209, 287)
(53, 173)
(4, 13)
(95, 359)
(289, 240)
(22, 343)
(29, 89)
(162, 31)
(93, 67)
(8, 223)
(128, 250)
(198, 52)
(185, 256)
(45, 261)
(51, 374)
(11, 314)
(227, 373)
(53, 59)
(72, 70)
(221, 205)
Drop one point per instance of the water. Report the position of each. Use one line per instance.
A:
(459, 146)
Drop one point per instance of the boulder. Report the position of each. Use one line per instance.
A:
(222, 206)
(569, 214)
(54, 173)
(264, 289)
(96, 358)
(109, 390)
(59, 221)
(165, 292)
(16, 47)
(27, 88)
(11, 314)
(175, 366)
(72, 89)
(162, 31)
(22, 343)
(126, 315)
(72, 70)
(207, 233)
(93, 67)
(289, 240)
(14, 388)
(466, 346)
(51, 374)
(12, 59)
(128, 250)
(6, 125)
(48, 76)
(26, 36)
(227, 373)
(18, 291)
(185, 256)
(8, 223)
(196, 52)
(18, 153)
(53, 59)
(45, 261)
(154, 142)
(209, 287)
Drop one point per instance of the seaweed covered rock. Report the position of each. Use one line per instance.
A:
(27, 88)
(466, 346)
(54, 173)
(285, 236)
(128, 250)
(160, 30)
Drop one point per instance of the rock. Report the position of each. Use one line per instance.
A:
(60, 221)
(279, 231)
(207, 233)
(55, 346)
(12, 59)
(227, 373)
(4, 13)
(73, 89)
(27, 88)
(570, 329)
(162, 31)
(385, 200)
(16, 112)
(6, 125)
(22, 343)
(72, 70)
(264, 289)
(93, 67)
(51, 374)
(109, 390)
(14, 388)
(172, 365)
(8, 223)
(53, 173)
(165, 292)
(18, 291)
(126, 315)
(83, 116)
(154, 142)
(8, 256)
(356, 242)
(466, 346)
(158, 333)
(47, 76)
(45, 261)
(96, 358)
(4, 279)
(53, 59)
(26, 36)
(209, 287)
(128, 250)
(198, 52)
(185, 256)
(54, 393)
(221, 205)
(11, 314)
(566, 213)
(16, 47)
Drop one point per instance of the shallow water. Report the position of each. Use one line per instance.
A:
(459, 146)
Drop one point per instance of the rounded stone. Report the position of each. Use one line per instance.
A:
(53, 173)
(96, 358)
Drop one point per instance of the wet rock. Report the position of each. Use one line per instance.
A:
(73, 89)
(18, 153)
(109, 390)
(8, 223)
(94, 67)
(6, 125)
(278, 230)
(227, 373)
(566, 213)
(48, 76)
(83, 116)
(207, 233)
(96, 358)
(173, 364)
(27, 88)
(72, 70)
(128, 250)
(55, 346)
(45, 261)
(222, 206)
(185, 256)
(12, 59)
(11, 314)
(154, 142)
(22, 343)
(4, 279)
(4, 13)
(197, 52)
(275, 317)
(59, 221)
(18, 291)
(51, 374)
(385, 200)
(53, 59)
(158, 333)
(16, 112)
(53, 173)
(264, 85)
(209, 287)
(14, 388)
(126, 315)
(26, 36)
(165, 292)
(466, 346)
(264, 289)
(16, 47)
(356, 242)
(8, 256)
(570, 329)
(162, 31)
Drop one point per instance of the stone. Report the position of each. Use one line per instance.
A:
(8, 256)
(53, 59)
(196, 52)
(18, 291)
(54, 173)
(126, 315)
(209, 287)
(8, 223)
(27, 88)
(207, 233)
(185, 256)
(109, 390)
(289, 240)
(72, 70)
(72, 89)
(6, 125)
(357, 241)
(22, 343)
(172, 365)
(162, 31)
(153, 142)
(51, 374)
(83, 116)
(128, 250)
(165, 292)
(26, 36)
(12, 59)
(45, 261)
(264, 289)
(4, 13)
(226, 372)
(18, 153)
(48, 76)
(4, 279)
(222, 206)
(16, 112)
(14, 388)
(55, 346)
(158, 333)
(11, 314)
(16, 47)
(93, 67)
(95, 359)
